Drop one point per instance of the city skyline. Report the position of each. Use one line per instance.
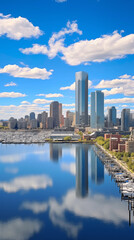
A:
(40, 54)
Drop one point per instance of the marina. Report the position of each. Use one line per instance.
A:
(122, 178)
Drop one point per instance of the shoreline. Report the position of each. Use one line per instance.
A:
(119, 162)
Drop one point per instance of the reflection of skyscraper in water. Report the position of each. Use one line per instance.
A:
(82, 171)
(55, 152)
(97, 169)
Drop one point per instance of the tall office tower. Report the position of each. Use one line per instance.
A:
(97, 110)
(131, 119)
(125, 119)
(32, 115)
(54, 113)
(82, 171)
(70, 116)
(60, 115)
(39, 117)
(49, 124)
(81, 98)
(26, 117)
(111, 116)
(44, 119)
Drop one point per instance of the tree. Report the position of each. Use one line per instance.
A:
(81, 134)
(106, 145)
(67, 138)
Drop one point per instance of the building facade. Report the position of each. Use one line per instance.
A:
(81, 98)
(97, 110)
(32, 115)
(111, 116)
(54, 113)
(125, 119)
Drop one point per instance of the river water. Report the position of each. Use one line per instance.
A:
(59, 191)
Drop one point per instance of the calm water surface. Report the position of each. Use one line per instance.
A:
(59, 191)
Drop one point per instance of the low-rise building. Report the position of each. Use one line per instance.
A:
(62, 134)
(113, 144)
(110, 135)
(129, 146)
(121, 147)
(86, 137)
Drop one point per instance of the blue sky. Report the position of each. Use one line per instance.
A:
(43, 44)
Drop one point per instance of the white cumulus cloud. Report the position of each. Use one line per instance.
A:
(56, 42)
(122, 85)
(72, 86)
(119, 100)
(35, 207)
(11, 84)
(50, 95)
(106, 47)
(41, 101)
(17, 28)
(26, 72)
(19, 229)
(11, 95)
(26, 183)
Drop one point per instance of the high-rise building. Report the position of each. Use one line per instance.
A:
(33, 124)
(54, 113)
(81, 98)
(125, 119)
(49, 123)
(66, 122)
(44, 119)
(70, 116)
(111, 116)
(21, 123)
(60, 114)
(12, 123)
(97, 110)
(32, 115)
(82, 171)
(39, 117)
(131, 119)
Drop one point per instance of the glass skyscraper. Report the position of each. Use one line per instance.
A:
(81, 98)
(125, 119)
(111, 116)
(97, 110)
(54, 113)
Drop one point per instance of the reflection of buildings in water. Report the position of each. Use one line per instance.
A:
(82, 171)
(55, 152)
(130, 201)
(97, 169)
